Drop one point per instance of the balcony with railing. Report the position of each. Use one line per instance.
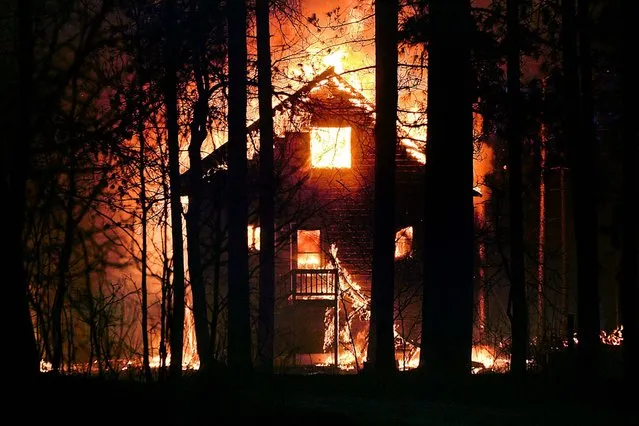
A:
(314, 284)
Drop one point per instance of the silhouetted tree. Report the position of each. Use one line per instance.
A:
(266, 324)
(570, 131)
(143, 254)
(381, 351)
(519, 318)
(239, 330)
(199, 43)
(581, 153)
(170, 99)
(69, 152)
(16, 165)
(629, 279)
(449, 241)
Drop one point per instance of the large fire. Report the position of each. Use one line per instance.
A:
(330, 148)
(335, 59)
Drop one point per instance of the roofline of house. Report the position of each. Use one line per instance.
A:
(211, 159)
(218, 156)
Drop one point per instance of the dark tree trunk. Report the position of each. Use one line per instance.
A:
(170, 101)
(571, 113)
(63, 277)
(582, 152)
(22, 138)
(266, 324)
(217, 254)
(193, 217)
(519, 318)
(381, 348)
(629, 278)
(239, 334)
(145, 310)
(166, 295)
(448, 238)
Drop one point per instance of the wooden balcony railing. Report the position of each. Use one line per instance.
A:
(314, 284)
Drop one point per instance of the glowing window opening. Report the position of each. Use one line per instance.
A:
(331, 147)
(254, 237)
(403, 242)
(308, 249)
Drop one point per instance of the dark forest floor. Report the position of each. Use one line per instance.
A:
(406, 399)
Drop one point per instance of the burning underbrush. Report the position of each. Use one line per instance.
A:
(352, 355)
(352, 351)
(353, 343)
(353, 310)
(134, 364)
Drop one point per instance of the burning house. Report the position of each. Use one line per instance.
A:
(324, 166)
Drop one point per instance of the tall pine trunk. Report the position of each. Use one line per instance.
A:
(239, 334)
(582, 151)
(629, 278)
(570, 124)
(217, 255)
(449, 247)
(170, 101)
(193, 217)
(26, 351)
(145, 306)
(381, 348)
(519, 317)
(266, 324)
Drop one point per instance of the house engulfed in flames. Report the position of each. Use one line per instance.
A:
(324, 166)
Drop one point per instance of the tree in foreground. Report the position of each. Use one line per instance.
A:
(171, 104)
(448, 238)
(381, 351)
(266, 320)
(239, 329)
(519, 316)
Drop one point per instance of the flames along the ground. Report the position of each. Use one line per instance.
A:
(352, 352)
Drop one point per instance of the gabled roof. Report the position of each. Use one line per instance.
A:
(218, 157)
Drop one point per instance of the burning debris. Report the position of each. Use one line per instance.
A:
(614, 338)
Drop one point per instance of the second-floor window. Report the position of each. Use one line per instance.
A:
(308, 249)
(331, 147)
(253, 233)
(403, 242)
